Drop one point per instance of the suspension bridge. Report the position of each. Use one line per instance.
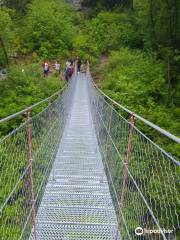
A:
(78, 169)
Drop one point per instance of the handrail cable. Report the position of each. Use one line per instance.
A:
(12, 116)
(157, 128)
(146, 137)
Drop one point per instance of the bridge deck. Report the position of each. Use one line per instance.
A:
(77, 203)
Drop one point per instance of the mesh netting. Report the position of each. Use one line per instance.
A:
(16, 179)
(143, 178)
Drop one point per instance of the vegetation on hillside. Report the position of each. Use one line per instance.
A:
(139, 39)
(29, 34)
(141, 44)
(41, 30)
(48, 29)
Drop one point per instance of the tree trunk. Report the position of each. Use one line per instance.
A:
(169, 74)
(4, 50)
(131, 4)
(176, 24)
(153, 32)
(170, 21)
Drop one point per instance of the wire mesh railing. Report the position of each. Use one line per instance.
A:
(26, 159)
(143, 178)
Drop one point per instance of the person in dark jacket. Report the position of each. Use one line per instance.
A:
(78, 64)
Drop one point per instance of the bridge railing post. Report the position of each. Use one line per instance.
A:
(30, 160)
(107, 147)
(76, 68)
(126, 168)
(109, 132)
(49, 119)
(49, 111)
(97, 115)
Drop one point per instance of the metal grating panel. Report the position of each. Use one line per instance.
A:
(71, 232)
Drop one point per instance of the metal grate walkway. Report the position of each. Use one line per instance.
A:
(77, 203)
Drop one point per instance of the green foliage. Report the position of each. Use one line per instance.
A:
(84, 47)
(107, 33)
(46, 31)
(137, 81)
(49, 28)
(136, 74)
(104, 33)
(146, 80)
(159, 21)
(6, 35)
(23, 89)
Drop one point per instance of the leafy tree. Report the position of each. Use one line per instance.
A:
(137, 80)
(106, 32)
(49, 28)
(6, 36)
(159, 24)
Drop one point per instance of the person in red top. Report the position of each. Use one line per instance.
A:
(45, 68)
(71, 70)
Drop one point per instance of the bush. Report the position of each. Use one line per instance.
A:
(49, 28)
(23, 89)
(137, 81)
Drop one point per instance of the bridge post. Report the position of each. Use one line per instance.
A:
(126, 165)
(107, 146)
(49, 119)
(98, 126)
(109, 131)
(49, 110)
(98, 113)
(30, 160)
(110, 119)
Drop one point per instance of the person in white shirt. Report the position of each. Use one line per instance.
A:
(57, 67)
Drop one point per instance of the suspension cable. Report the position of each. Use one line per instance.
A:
(154, 126)
(31, 107)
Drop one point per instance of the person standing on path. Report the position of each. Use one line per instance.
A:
(71, 70)
(57, 67)
(45, 68)
(66, 70)
(78, 65)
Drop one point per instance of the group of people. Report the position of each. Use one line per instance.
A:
(46, 68)
(69, 68)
